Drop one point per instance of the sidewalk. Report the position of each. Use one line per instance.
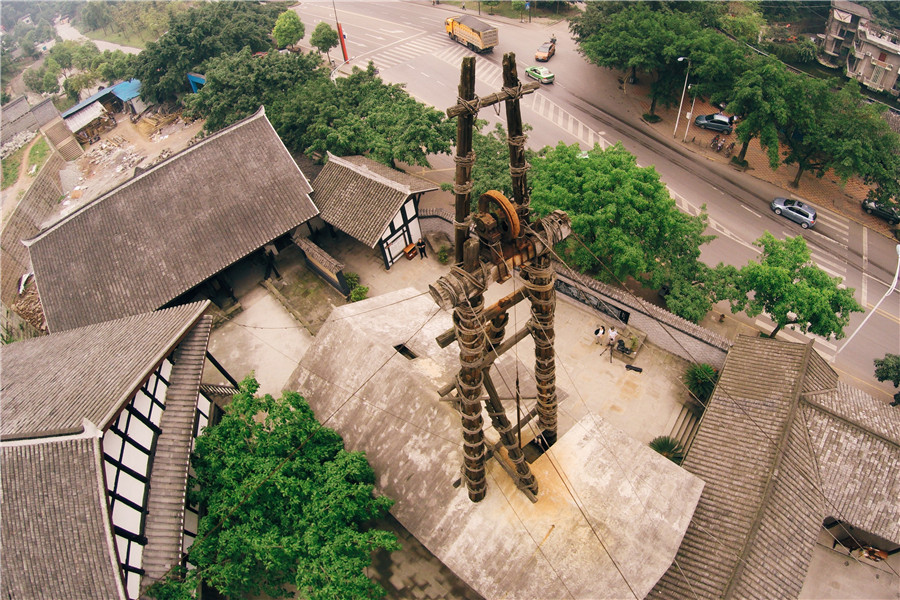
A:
(825, 192)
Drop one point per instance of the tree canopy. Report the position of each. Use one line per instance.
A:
(238, 84)
(288, 30)
(197, 35)
(360, 114)
(888, 369)
(324, 38)
(285, 504)
(623, 217)
(787, 286)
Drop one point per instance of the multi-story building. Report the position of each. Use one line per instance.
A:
(869, 53)
(840, 32)
(875, 58)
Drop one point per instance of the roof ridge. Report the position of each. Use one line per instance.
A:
(261, 112)
(848, 420)
(365, 170)
(770, 483)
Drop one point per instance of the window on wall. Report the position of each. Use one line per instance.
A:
(128, 447)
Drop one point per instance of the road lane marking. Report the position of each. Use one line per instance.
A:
(751, 211)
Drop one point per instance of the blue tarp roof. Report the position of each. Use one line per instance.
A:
(124, 91)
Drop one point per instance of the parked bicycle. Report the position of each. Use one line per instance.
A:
(720, 144)
(714, 142)
(729, 149)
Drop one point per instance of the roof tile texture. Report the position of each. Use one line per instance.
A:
(168, 482)
(50, 384)
(53, 513)
(170, 228)
(360, 196)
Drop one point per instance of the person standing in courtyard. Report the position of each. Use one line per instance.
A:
(421, 247)
(599, 333)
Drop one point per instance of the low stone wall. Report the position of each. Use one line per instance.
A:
(670, 332)
(25, 221)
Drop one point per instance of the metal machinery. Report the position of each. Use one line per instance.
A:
(489, 243)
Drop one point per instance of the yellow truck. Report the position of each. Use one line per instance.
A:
(472, 33)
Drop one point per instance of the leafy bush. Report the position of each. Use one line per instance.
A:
(358, 293)
(351, 278)
(668, 447)
(443, 255)
(701, 379)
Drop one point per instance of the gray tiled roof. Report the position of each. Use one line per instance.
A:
(56, 534)
(170, 228)
(50, 384)
(360, 196)
(168, 482)
(782, 446)
(857, 443)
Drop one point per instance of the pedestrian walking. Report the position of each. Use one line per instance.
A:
(271, 251)
(599, 333)
(613, 334)
(421, 246)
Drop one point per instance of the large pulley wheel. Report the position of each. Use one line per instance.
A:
(504, 213)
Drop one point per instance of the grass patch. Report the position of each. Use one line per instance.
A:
(11, 166)
(131, 39)
(63, 102)
(38, 153)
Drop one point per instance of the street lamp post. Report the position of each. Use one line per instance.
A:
(687, 73)
(872, 312)
(690, 116)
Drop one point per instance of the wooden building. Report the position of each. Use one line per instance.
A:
(789, 454)
(371, 202)
(96, 428)
(153, 240)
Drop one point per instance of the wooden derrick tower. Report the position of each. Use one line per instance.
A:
(489, 243)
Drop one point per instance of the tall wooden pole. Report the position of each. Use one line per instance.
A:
(495, 329)
(516, 137)
(465, 158)
(539, 283)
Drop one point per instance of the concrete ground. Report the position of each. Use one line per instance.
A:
(266, 338)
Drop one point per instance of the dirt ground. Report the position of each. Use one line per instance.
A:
(111, 161)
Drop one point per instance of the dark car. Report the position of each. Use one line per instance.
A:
(546, 50)
(891, 214)
(795, 211)
(716, 122)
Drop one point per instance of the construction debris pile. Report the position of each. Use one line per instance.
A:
(17, 141)
(115, 153)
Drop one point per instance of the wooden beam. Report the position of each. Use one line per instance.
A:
(501, 96)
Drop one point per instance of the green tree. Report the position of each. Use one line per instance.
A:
(288, 29)
(839, 131)
(284, 504)
(759, 97)
(888, 369)
(360, 114)
(639, 38)
(787, 286)
(238, 84)
(196, 35)
(623, 217)
(95, 15)
(324, 38)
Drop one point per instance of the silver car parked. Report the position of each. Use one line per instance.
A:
(795, 211)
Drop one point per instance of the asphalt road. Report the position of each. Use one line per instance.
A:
(407, 42)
